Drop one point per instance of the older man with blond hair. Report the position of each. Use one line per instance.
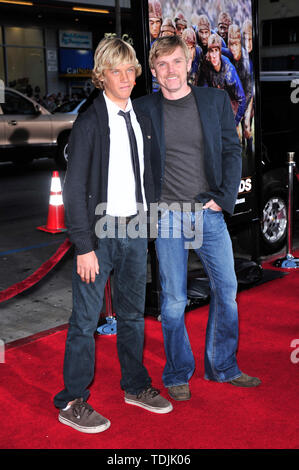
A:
(197, 169)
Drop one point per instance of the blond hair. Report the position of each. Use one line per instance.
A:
(234, 33)
(109, 54)
(165, 46)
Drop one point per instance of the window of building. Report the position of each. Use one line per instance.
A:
(25, 60)
(280, 32)
(24, 36)
(285, 31)
(26, 70)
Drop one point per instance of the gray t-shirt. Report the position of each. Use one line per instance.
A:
(184, 174)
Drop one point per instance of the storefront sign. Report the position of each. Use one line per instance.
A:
(52, 65)
(75, 62)
(75, 39)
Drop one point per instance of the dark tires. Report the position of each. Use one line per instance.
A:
(274, 220)
(62, 155)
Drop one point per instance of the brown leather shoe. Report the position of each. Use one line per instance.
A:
(245, 381)
(179, 392)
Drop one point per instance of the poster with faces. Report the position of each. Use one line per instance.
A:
(218, 34)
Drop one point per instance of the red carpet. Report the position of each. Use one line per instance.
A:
(219, 416)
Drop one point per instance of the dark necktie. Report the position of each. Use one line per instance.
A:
(134, 155)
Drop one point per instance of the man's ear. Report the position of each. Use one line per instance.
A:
(154, 73)
(101, 77)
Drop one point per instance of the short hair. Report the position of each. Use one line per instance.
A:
(247, 27)
(168, 25)
(189, 36)
(214, 41)
(180, 19)
(166, 45)
(234, 33)
(203, 22)
(110, 53)
(155, 9)
(225, 18)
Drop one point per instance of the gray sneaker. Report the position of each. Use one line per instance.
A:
(149, 399)
(82, 417)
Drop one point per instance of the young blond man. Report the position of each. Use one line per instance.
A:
(105, 167)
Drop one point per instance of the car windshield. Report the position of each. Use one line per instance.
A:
(66, 107)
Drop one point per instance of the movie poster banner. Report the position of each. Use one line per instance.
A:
(218, 34)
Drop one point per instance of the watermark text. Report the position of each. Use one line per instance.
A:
(176, 220)
(295, 353)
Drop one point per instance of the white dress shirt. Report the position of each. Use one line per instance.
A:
(121, 199)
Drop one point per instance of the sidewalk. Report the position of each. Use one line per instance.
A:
(44, 305)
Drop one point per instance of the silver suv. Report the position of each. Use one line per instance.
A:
(29, 131)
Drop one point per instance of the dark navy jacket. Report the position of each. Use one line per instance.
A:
(86, 179)
(222, 149)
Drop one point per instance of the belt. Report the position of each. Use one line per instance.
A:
(183, 206)
(124, 220)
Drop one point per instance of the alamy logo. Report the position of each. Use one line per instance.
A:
(295, 93)
(295, 353)
(163, 220)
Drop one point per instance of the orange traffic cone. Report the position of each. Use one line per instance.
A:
(55, 222)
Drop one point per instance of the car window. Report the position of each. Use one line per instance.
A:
(66, 107)
(15, 104)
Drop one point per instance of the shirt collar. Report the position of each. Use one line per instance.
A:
(113, 108)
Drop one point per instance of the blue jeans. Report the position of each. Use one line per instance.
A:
(128, 258)
(216, 256)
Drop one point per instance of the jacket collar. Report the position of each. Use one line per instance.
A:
(101, 111)
(100, 108)
(203, 106)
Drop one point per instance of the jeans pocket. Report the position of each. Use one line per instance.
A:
(212, 211)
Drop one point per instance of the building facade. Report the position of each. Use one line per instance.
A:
(279, 34)
(47, 48)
